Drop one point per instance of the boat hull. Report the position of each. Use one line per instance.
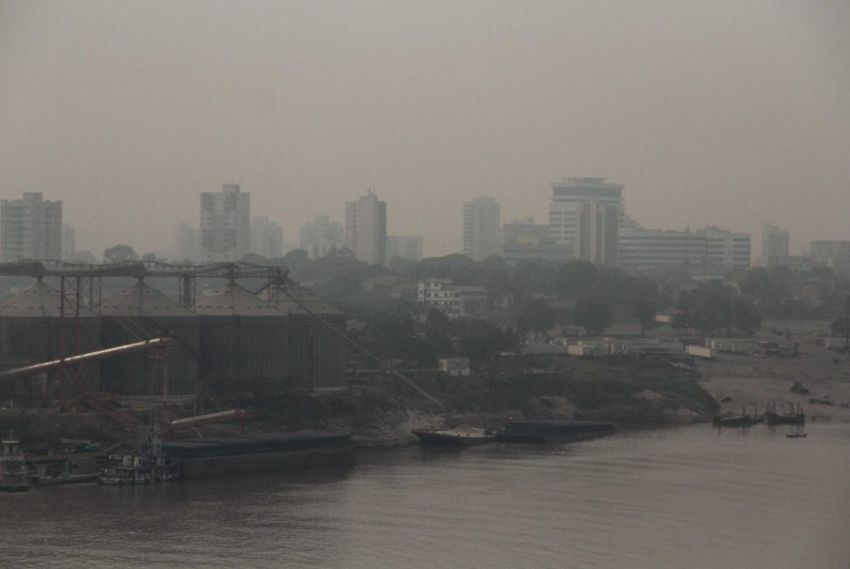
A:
(452, 439)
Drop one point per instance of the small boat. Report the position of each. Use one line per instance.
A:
(796, 435)
(553, 430)
(133, 470)
(453, 438)
(14, 471)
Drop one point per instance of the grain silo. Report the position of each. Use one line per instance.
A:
(316, 335)
(138, 313)
(33, 330)
(241, 334)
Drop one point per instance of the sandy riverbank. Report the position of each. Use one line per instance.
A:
(757, 381)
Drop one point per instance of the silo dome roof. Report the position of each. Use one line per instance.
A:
(233, 300)
(142, 300)
(295, 299)
(37, 301)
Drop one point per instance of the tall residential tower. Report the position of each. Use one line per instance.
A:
(30, 228)
(225, 224)
(366, 228)
(482, 234)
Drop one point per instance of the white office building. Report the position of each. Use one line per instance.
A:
(705, 249)
(482, 234)
(584, 216)
(30, 228)
(225, 224)
(366, 228)
(455, 301)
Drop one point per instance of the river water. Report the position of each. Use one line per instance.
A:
(687, 497)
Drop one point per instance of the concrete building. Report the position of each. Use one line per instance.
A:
(726, 249)
(526, 240)
(584, 215)
(405, 246)
(775, 246)
(266, 238)
(30, 228)
(482, 236)
(69, 242)
(710, 248)
(366, 228)
(453, 300)
(187, 243)
(319, 236)
(225, 224)
(832, 254)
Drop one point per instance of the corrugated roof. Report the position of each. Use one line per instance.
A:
(142, 300)
(293, 298)
(37, 301)
(233, 300)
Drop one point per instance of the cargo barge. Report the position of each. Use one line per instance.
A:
(210, 457)
(548, 431)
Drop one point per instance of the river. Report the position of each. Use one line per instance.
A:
(680, 497)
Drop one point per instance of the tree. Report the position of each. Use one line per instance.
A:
(745, 317)
(536, 316)
(574, 276)
(119, 254)
(841, 327)
(593, 313)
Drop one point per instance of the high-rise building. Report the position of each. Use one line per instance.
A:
(482, 234)
(30, 228)
(775, 245)
(69, 242)
(405, 246)
(319, 236)
(187, 243)
(225, 224)
(366, 228)
(584, 215)
(266, 238)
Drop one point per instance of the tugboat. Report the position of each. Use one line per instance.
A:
(14, 472)
(148, 466)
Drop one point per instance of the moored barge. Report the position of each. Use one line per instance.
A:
(209, 457)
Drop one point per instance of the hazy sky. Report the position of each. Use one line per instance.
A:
(726, 112)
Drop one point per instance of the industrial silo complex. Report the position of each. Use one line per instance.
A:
(141, 312)
(285, 334)
(33, 330)
(241, 334)
(316, 335)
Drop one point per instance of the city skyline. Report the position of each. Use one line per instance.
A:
(746, 129)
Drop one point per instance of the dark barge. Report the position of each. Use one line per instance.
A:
(209, 457)
(553, 430)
